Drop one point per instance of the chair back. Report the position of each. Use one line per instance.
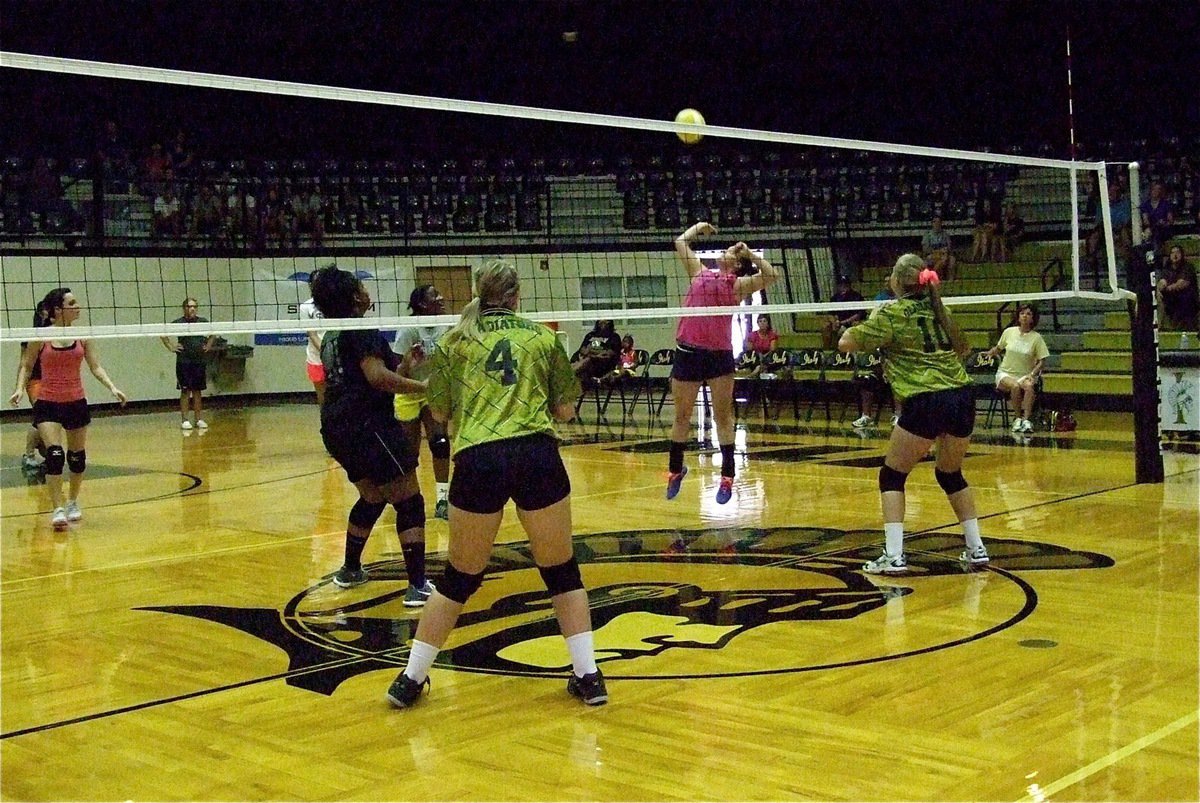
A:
(662, 357)
(747, 361)
(806, 363)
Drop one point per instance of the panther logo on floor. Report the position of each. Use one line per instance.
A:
(672, 604)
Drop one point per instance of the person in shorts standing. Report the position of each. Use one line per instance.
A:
(191, 352)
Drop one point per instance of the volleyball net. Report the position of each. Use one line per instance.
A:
(587, 206)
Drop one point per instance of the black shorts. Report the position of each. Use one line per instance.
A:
(72, 415)
(190, 375)
(698, 365)
(941, 412)
(527, 470)
(375, 450)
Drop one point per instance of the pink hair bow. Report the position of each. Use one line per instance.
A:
(928, 276)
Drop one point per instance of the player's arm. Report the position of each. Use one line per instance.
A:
(683, 248)
(381, 378)
(767, 274)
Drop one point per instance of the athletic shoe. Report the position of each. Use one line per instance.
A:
(895, 421)
(1017, 424)
(674, 479)
(442, 510)
(974, 557)
(404, 691)
(416, 597)
(887, 564)
(185, 425)
(73, 511)
(862, 422)
(725, 491)
(349, 578)
(589, 688)
(1026, 426)
(200, 424)
(58, 520)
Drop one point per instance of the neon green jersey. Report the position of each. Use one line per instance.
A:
(502, 385)
(917, 355)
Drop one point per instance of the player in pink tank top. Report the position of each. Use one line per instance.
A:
(60, 412)
(705, 347)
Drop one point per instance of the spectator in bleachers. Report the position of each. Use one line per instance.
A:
(208, 216)
(112, 153)
(599, 353)
(156, 170)
(840, 321)
(764, 339)
(276, 219)
(1158, 216)
(937, 249)
(1025, 354)
(167, 219)
(1012, 231)
(987, 224)
(241, 210)
(1122, 219)
(309, 213)
(182, 157)
(1177, 291)
(45, 199)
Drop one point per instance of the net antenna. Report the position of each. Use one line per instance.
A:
(589, 242)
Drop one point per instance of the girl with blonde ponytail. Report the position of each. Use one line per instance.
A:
(501, 381)
(922, 349)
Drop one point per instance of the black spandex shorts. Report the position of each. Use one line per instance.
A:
(527, 470)
(72, 415)
(375, 450)
(941, 412)
(698, 365)
(190, 376)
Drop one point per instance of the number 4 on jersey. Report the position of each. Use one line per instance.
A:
(501, 361)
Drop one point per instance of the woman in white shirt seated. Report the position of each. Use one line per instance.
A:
(1024, 359)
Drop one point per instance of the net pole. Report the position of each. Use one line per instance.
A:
(1076, 257)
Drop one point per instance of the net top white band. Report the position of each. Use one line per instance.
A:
(100, 69)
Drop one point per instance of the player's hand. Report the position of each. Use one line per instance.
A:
(705, 228)
(120, 396)
(15, 399)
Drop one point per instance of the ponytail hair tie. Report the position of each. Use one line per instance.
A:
(928, 276)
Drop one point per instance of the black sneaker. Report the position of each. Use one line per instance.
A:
(589, 688)
(404, 691)
(349, 578)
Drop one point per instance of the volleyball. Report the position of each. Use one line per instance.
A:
(692, 117)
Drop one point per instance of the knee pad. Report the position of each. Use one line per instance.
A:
(458, 586)
(410, 513)
(561, 578)
(951, 481)
(56, 458)
(439, 447)
(364, 514)
(77, 461)
(891, 480)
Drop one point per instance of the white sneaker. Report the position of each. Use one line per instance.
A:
(58, 520)
(895, 421)
(1027, 426)
(975, 557)
(887, 564)
(1016, 425)
(73, 511)
(861, 422)
(185, 425)
(200, 424)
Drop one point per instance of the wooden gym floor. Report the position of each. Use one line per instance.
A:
(183, 641)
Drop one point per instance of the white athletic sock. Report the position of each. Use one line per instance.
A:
(971, 533)
(443, 490)
(893, 533)
(583, 655)
(420, 658)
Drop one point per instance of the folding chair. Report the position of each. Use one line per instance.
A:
(658, 369)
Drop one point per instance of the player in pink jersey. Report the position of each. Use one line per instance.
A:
(61, 410)
(704, 350)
